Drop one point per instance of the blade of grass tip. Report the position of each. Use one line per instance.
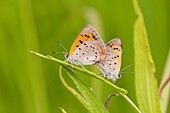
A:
(145, 82)
(62, 110)
(73, 91)
(140, 14)
(115, 88)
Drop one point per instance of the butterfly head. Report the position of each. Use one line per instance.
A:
(119, 75)
(66, 55)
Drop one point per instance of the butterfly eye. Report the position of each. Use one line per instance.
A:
(119, 75)
(66, 55)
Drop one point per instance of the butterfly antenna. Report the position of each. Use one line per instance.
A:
(59, 52)
(127, 72)
(126, 67)
(62, 46)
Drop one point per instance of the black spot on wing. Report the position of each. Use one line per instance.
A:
(115, 48)
(81, 41)
(96, 57)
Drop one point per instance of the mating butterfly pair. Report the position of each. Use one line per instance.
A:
(89, 49)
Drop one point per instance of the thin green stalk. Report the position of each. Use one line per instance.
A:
(119, 90)
(116, 88)
(62, 110)
(131, 103)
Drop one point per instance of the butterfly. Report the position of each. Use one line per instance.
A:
(110, 66)
(87, 49)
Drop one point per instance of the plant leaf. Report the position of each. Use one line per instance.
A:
(73, 91)
(145, 82)
(93, 104)
(114, 87)
(164, 91)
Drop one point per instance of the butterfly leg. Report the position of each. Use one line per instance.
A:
(67, 63)
(71, 64)
(105, 76)
(114, 80)
(100, 74)
(111, 77)
(83, 67)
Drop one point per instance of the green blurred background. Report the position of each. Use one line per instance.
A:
(30, 84)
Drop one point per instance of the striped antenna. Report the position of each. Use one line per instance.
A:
(59, 52)
(127, 72)
(126, 67)
(62, 46)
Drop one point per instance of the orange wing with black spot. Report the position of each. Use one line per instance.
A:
(87, 48)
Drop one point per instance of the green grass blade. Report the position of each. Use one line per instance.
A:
(114, 87)
(63, 111)
(145, 82)
(94, 105)
(73, 91)
(164, 90)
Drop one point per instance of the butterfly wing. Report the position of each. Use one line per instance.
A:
(88, 48)
(110, 66)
